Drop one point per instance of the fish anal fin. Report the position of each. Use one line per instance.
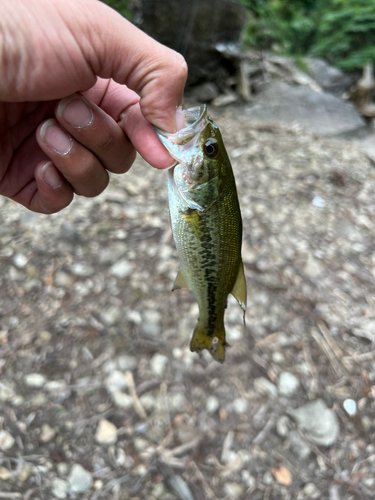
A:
(239, 289)
(215, 344)
(180, 281)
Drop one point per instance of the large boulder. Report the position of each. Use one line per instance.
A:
(193, 28)
(319, 113)
(330, 79)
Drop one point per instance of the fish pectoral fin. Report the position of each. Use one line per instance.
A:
(239, 289)
(180, 281)
(215, 344)
(195, 222)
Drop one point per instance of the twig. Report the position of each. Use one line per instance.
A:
(333, 345)
(179, 450)
(10, 495)
(314, 386)
(264, 432)
(324, 346)
(133, 393)
(228, 441)
(199, 478)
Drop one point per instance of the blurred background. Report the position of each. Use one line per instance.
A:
(100, 396)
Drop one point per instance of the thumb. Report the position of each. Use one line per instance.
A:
(127, 55)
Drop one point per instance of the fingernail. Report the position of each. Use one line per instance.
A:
(75, 111)
(51, 175)
(55, 137)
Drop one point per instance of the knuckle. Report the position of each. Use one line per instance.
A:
(105, 141)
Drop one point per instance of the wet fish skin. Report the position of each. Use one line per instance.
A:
(207, 230)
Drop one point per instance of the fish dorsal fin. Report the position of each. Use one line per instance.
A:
(239, 288)
(180, 281)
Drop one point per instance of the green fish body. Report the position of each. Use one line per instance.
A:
(206, 225)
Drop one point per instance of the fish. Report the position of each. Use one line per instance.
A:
(206, 225)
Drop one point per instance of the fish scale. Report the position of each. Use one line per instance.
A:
(206, 226)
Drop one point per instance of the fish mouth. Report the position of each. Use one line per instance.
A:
(183, 144)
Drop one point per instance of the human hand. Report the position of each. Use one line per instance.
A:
(65, 64)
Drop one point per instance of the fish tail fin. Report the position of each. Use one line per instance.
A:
(215, 343)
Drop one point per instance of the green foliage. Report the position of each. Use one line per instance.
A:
(341, 31)
(122, 6)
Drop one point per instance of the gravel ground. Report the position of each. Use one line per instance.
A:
(100, 397)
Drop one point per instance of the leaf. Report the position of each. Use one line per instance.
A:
(282, 475)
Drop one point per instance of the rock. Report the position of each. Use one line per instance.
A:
(47, 433)
(82, 270)
(4, 474)
(20, 260)
(329, 78)
(212, 404)
(151, 324)
(193, 32)
(122, 400)
(59, 488)
(126, 362)
(121, 269)
(320, 114)
(225, 99)
(6, 440)
(158, 364)
(350, 406)
(24, 473)
(106, 432)
(111, 316)
(205, 92)
(240, 406)
(319, 422)
(311, 491)
(63, 279)
(36, 380)
(115, 382)
(233, 490)
(79, 479)
(288, 384)
(283, 426)
(265, 387)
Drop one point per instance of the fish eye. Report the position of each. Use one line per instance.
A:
(211, 148)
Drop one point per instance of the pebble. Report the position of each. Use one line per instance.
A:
(45, 336)
(288, 384)
(126, 362)
(79, 479)
(20, 260)
(319, 422)
(111, 316)
(4, 474)
(36, 380)
(47, 433)
(106, 432)
(283, 426)
(240, 406)
(151, 324)
(59, 488)
(233, 490)
(6, 440)
(82, 270)
(122, 400)
(158, 364)
(115, 381)
(212, 404)
(63, 279)
(311, 491)
(121, 269)
(265, 387)
(350, 406)
(24, 473)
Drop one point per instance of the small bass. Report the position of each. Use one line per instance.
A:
(206, 225)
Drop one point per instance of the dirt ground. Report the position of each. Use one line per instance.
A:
(100, 397)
